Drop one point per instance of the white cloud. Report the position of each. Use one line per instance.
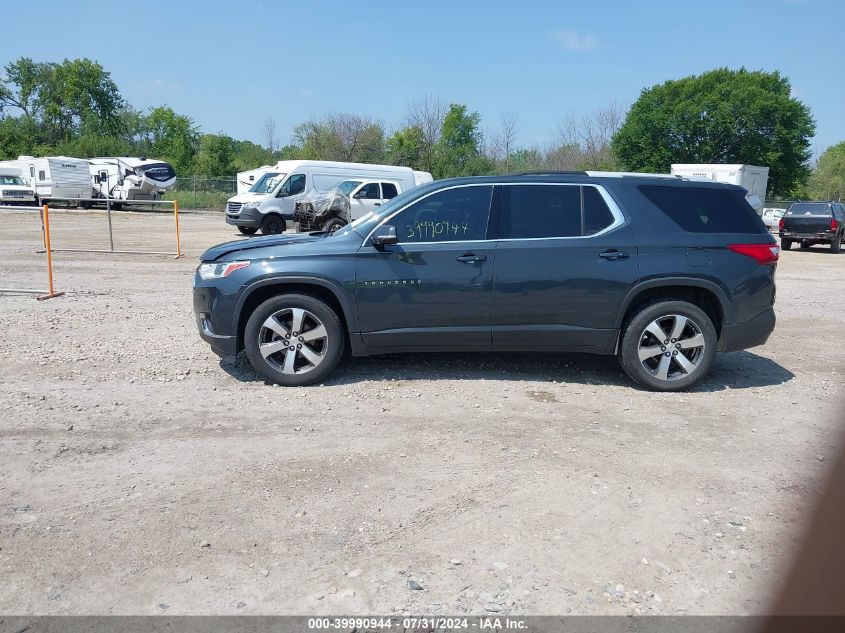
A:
(572, 40)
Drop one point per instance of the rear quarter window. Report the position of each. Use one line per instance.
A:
(705, 209)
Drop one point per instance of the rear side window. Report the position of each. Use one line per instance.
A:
(547, 211)
(388, 190)
(452, 215)
(705, 209)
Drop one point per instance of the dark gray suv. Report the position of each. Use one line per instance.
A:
(661, 272)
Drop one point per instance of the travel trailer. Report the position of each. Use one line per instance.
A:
(12, 188)
(271, 203)
(54, 176)
(128, 178)
(753, 178)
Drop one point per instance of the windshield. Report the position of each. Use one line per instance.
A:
(267, 182)
(11, 180)
(347, 186)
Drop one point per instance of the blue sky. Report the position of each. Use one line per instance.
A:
(231, 65)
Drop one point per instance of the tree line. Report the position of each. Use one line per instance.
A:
(75, 108)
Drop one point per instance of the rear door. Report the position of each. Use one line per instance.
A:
(433, 288)
(565, 262)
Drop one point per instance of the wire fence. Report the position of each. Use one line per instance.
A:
(200, 192)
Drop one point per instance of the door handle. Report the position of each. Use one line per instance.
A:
(613, 254)
(471, 258)
(377, 204)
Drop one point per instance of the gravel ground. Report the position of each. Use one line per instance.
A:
(140, 474)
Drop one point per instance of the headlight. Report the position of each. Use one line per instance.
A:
(251, 205)
(218, 271)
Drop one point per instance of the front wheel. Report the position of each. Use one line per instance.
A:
(247, 230)
(668, 345)
(294, 340)
(333, 224)
(785, 244)
(272, 224)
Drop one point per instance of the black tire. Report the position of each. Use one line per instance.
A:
(272, 224)
(333, 224)
(804, 245)
(785, 244)
(247, 230)
(328, 348)
(836, 244)
(116, 206)
(636, 336)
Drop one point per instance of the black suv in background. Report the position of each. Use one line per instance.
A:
(813, 223)
(659, 271)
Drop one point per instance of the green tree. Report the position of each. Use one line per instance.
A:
(457, 152)
(721, 116)
(828, 179)
(342, 137)
(407, 147)
(215, 156)
(171, 137)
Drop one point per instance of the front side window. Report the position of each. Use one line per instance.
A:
(369, 192)
(296, 184)
(388, 190)
(452, 215)
(548, 211)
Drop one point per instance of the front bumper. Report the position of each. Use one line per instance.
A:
(212, 311)
(249, 217)
(752, 333)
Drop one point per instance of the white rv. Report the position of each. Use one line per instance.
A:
(246, 179)
(271, 202)
(128, 178)
(54, 176)
(753, 178)
(12, 188)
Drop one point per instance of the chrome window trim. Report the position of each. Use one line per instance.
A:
(615, 211)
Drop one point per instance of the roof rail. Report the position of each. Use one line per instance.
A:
(548, 172)
(632, 174)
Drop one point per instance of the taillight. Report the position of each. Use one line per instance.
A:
(833, 224)
(763, 253)
(780, 225)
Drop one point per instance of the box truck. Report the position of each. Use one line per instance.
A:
(753, 178)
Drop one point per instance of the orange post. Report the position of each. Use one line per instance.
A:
(178, 241)
(45, 215)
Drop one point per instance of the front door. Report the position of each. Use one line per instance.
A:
(433, 288)
(364, 200)
(564, 265)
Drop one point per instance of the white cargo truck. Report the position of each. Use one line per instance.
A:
(271, 202)
(753, 178)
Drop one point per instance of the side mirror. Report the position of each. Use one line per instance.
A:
(385, 235)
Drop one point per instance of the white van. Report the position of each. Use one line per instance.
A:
(12, 188)
(54, 176)
(270, 204)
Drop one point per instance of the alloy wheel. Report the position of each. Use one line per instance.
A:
(671, 347)
(293, 341)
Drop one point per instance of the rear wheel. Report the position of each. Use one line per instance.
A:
(272, 224)
(294, 340)
(668, 346)
(836, 244)
(247, 230)
(805, 244)
(785, 244)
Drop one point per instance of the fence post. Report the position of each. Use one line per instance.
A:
(111, 235)
(45, 210)
(178, 240)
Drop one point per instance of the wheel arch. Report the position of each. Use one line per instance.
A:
(705, 294)
(322, 289)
